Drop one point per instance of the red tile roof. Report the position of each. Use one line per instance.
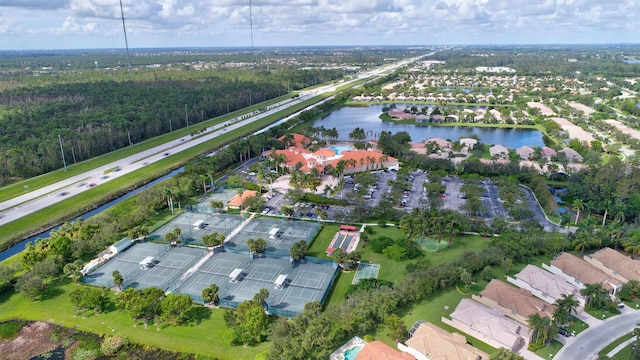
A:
(377, 350)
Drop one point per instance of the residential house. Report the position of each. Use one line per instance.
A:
(544, 285)
(580, 273)
(571, 154)
(429, 342)
(616, 264)
(399, 115)
(421, 118)
(437, 118)
(516, 303)
(488, 324)
(440, 143)
(499, 151)
(469, 143)
(525, 152)
(377, 350)
(524, 164)
(548, 153)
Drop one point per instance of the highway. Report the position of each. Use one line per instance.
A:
(35, 200)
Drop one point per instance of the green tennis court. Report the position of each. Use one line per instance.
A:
(366, 271)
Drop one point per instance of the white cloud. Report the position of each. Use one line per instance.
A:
(321, 22)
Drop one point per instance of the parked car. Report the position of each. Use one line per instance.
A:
(564, 332)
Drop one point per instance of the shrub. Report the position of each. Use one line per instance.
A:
(9, 330)
(112, 344)
(380, 243)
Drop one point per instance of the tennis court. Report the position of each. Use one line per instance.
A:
(167, 266)
(195, 225)
(215, 270)
(280, 234)
(306, 282)
(366, 271)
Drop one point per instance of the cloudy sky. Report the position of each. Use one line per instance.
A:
(77, 24)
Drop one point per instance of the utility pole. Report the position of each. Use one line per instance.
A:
(129, 134)
(186, 114)
(64, 162)
(126, 42)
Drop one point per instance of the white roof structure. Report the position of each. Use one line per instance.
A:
(235, 275)
(146, 262)
(273, 233)
(280, 281)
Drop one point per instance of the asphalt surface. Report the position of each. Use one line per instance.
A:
(588, 343)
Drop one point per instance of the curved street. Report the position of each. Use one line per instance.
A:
(588, 343)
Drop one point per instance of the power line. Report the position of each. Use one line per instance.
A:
(126, 43)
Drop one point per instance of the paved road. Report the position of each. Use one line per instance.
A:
(587, 344)
(32, 201)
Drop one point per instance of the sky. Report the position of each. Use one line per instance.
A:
(91, 24)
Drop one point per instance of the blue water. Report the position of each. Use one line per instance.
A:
(352, 353)
(346, 119)
(338, 149)
(632, 61)
(23, 244)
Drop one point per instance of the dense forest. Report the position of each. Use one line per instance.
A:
(541, 61)
(93, 118)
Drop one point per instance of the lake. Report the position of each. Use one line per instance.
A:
(348, 118)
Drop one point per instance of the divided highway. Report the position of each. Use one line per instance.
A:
(35, 200)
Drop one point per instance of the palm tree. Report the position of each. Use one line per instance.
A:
(210, 294)
(452, 230)
(408, 227)
(595, 294)
(607, 205)
(536, 324)
(578, 205)
(566, 305)
(169, 196)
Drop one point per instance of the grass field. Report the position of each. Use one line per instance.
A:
(203, 338)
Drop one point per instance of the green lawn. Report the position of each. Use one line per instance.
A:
(613, 345)
(548, 352)
(203, 338)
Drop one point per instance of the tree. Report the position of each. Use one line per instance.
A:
(210, 294)
(596, 296)
(261, 296)
(118, 279)
(216, 204)
(566, 306)
(396, 328)
(212, 240)
(577, 205)
(536, 324)
(253, 321)
(465, 279)
(175, 308)
(506, 265)
(90, 298)
(299, 250)
(257, 246)
(31, 286)
(287, 211)
(506, 354)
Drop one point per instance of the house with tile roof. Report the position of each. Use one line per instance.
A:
(571, 154)
(499, 151)
(488, 324)
(377, 350)
(441, 143)
(433, 343)
(580, 273)
(514, 302)
(548, 153)
(297, 140)
(355, 160)
(544, 285)
(237, 201)
(525, 152)
(615, 264)
(399, 115)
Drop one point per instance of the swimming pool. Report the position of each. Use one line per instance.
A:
(338, 148)
(353, 352)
